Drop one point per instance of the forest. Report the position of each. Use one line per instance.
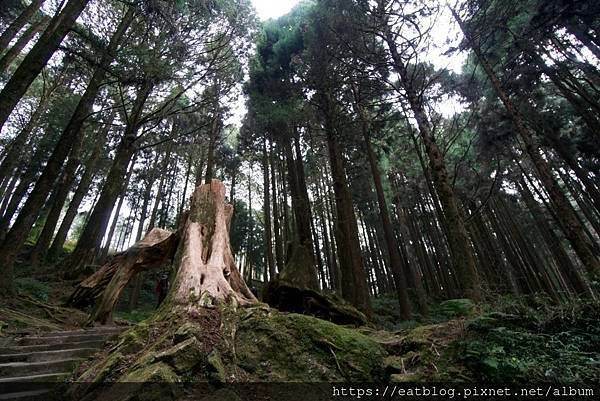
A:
(194, 197)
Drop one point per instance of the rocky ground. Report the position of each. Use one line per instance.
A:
(511, 340)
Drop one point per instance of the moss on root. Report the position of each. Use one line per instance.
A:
(259, 344)
(227, 344)
(271, 346)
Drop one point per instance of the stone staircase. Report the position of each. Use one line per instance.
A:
(31, 368)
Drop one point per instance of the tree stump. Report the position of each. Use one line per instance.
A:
(206, 271)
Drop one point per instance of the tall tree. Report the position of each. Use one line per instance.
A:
(38, 56)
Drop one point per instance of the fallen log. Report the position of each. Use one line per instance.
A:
(106, 284)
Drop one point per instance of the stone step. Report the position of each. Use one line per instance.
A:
(18, 369)
(50, 347)
(41, 378)
(44, 340)
(33, 395)
(93, 330)
(40, 356)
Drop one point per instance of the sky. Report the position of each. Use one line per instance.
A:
(273, 8)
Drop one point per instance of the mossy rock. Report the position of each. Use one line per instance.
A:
(100, 372)
(399, 364)
(216, 369)
(153, 352)
(155, 382)
(240, 345)
(186, 331)
(134, 339)
(404, 378)
(272, 346)
(156, 372)
(183, 356)
(94, 377)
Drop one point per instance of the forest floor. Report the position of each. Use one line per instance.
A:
(511, 340)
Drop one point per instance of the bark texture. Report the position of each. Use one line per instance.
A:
(206, 269)
(157, 248)
(38, 56)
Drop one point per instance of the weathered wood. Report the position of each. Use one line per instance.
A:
(288, 298)
(206, 272)
(206, 269)
(156, 248)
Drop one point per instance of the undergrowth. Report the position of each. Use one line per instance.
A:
(36, 289)
(527, 339)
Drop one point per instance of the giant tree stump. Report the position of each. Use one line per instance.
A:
(205, 269)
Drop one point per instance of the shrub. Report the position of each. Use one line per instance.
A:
(32, 287)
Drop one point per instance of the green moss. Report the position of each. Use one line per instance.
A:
(152, 350)
(150, 383)
(186, 331)
(100, 372)
(453, 308)
(291, 347)
(404, 378)
(134, 339)
(156, 372)
(183, 356)
(216, 368)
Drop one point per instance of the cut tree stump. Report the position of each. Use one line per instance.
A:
(289, 298)
(296, 289)
(205, 269)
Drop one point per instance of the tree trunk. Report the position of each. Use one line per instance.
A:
(204, 264)
(267, 216)
(91, 237)
(302, 250)
(37, 57)
(167, 206)
(40, 249)
(157, 248)
(566, 215)
(18, 233)
(354, 279)
(206, 269)
(13, 29)
(117, 211)
(10, 56)
(212, 144)
(276, 226)
(398, 268)
(185, 187)
(80, 193)
(461, 252)
(14, 151)
(565, 264)
(25, 180)
(159, 190)
(7, 186)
